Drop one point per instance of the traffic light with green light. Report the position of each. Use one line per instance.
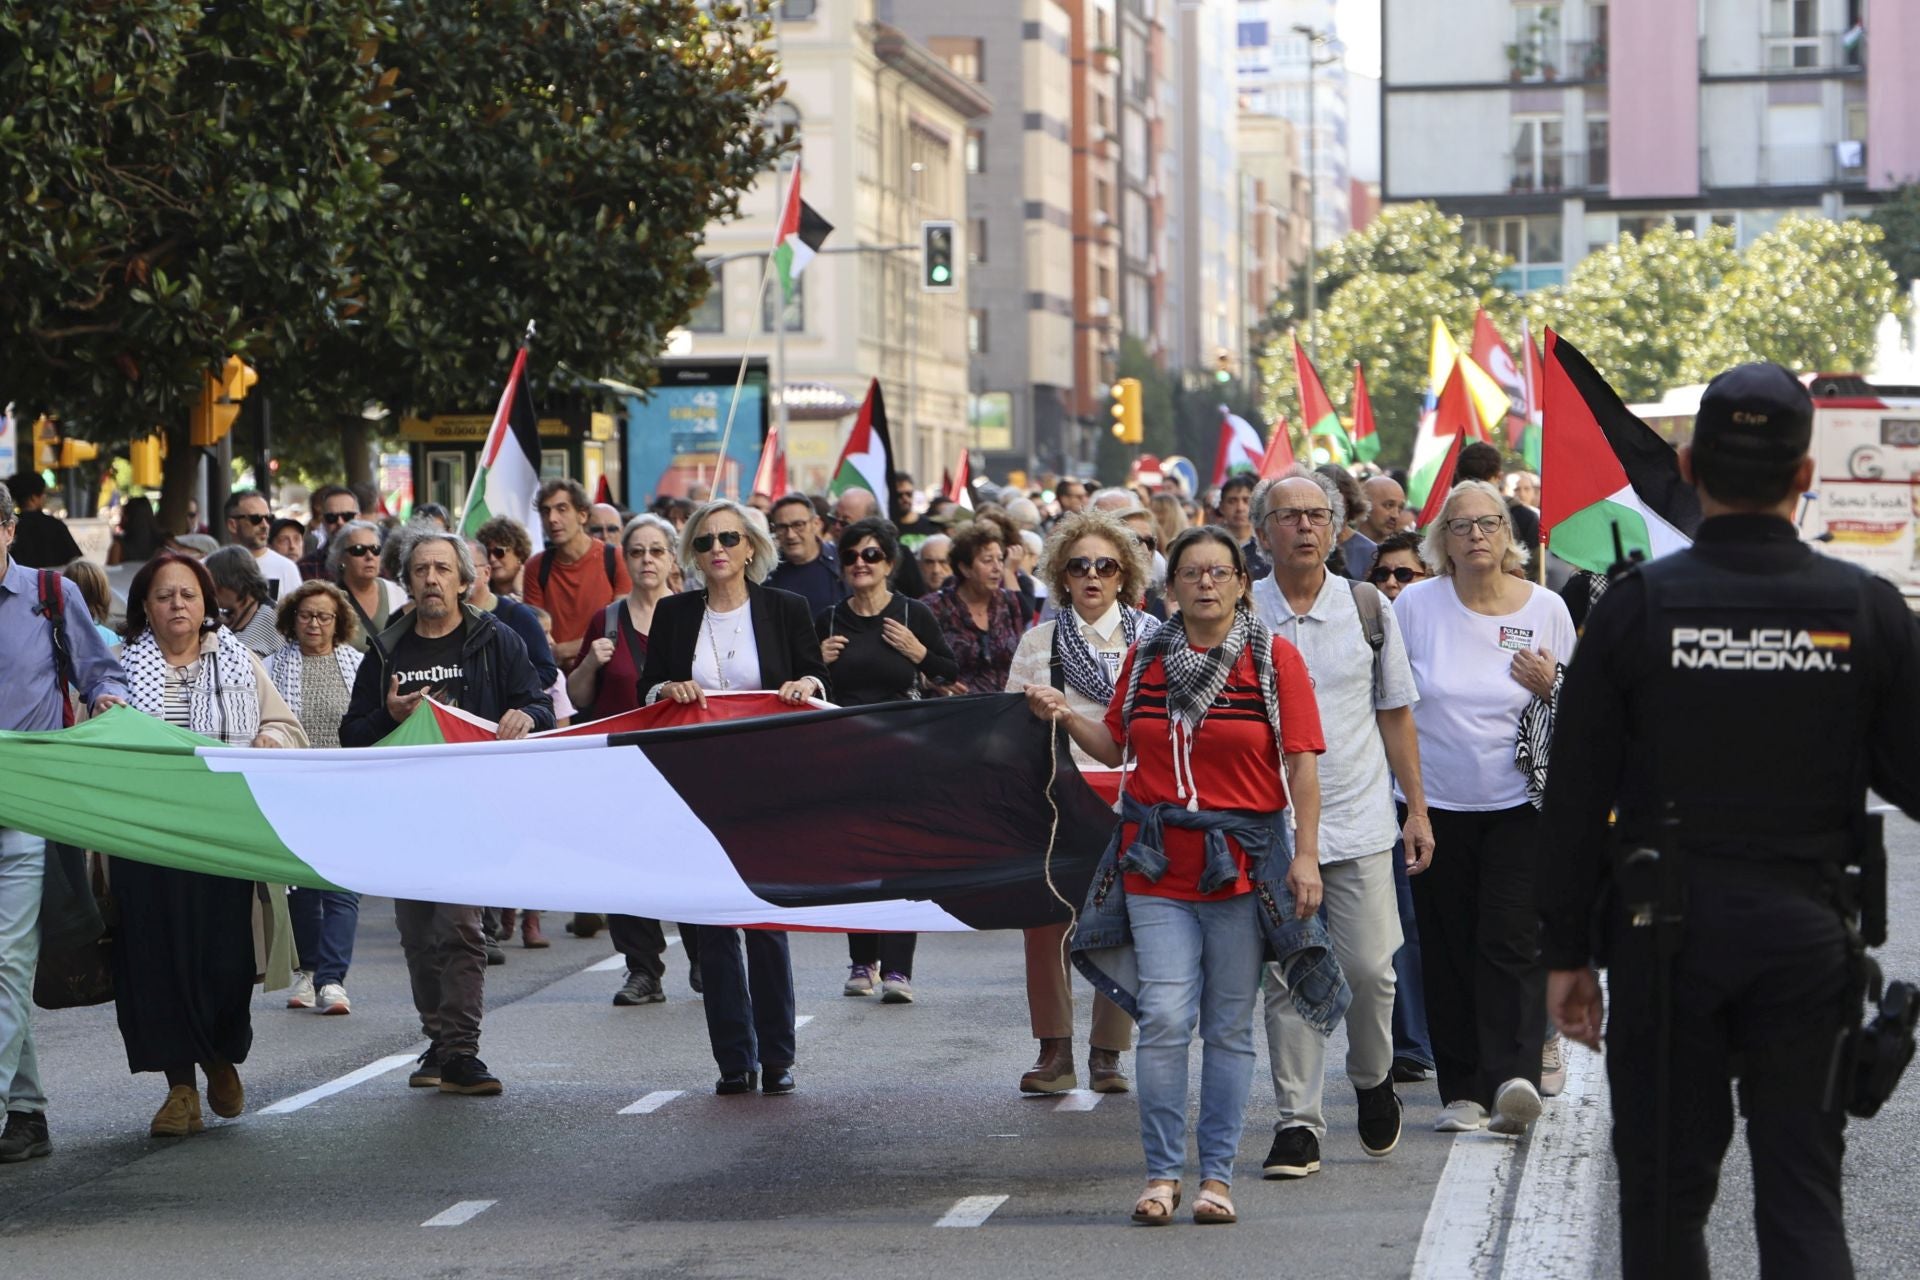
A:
(937, 273)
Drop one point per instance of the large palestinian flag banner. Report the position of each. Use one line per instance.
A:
(910, 817)
(508, 481)
(1603, 470)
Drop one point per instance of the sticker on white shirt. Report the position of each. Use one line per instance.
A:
(1516, 638)
(1113, 661)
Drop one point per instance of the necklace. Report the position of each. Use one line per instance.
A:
(719, 667)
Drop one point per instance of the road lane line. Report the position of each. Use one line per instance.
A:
(1078, 1100)
(971, 1211)
(459, 1214)
(612, 962)
(652, 1102)
(802, 1021)
(345, 1082)
(1551, 1235)
(1462, 1234)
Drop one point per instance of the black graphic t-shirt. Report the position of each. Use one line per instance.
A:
(435, 666)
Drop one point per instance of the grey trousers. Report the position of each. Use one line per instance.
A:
(447, 963)
(1364, 918)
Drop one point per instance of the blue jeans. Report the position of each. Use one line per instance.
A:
(324, 921)
(1199, 963)
(1409, 995)
(22, 871)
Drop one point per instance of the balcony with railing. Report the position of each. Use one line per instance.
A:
(1814, 164)
(1547, 171)
(1785, 53)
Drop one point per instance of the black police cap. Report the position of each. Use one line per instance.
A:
(1755, 412)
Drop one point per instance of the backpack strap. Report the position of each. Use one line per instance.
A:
(612, 631)
(53, 606)
(1366, 601)
(612, 562)
(546, 569)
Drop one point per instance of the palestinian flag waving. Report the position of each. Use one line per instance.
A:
(1603, 469)
(1437, 450)
(802, 232)
(1316, 409)
(1279, 456)
(1240, 449)
(1366, 438)
(818, 845)
(867, 459)
(508, 481)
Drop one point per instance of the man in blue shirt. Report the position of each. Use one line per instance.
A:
(807, 564)
(32, 696)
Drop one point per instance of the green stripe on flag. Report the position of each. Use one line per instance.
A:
(1585, 539)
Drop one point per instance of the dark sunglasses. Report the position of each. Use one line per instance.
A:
(867, 555)
(340, 517)
(1401, 575)
(1105, 566)
(362, 550)
(498, 553)
(728, 538)
(1148, 541)
(253, 519)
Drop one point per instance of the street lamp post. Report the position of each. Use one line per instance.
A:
(1315, 39)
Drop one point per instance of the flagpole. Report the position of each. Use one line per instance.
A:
(740, 378)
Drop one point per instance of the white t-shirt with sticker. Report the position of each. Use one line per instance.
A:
(1470, 704)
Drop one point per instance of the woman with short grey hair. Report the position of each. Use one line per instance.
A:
(761, 557)
(353, 564)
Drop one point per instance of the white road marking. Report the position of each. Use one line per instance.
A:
(1551, 1235)
(971, 1211)
(462, 1212)
(652, 1102)
(1460, 1239)
(345, 1082)
(1078, 1100)
(612, 962)
(802, 1021)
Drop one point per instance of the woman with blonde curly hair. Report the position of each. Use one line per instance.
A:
(1095, 571)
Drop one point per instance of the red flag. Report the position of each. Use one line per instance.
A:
(1316, 409)
(1366, 440)
(946, 480)
(770, 477)
(1491, 354)
(959, 488)
(1279, 454)
(1455, 415)
(603, 492)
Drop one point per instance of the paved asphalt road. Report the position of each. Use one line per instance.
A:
(903, 1114)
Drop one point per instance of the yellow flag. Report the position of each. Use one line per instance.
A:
(1489, 401)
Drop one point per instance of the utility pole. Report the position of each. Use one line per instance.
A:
(1315, 40)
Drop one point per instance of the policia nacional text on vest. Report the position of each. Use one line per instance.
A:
(1732, 704)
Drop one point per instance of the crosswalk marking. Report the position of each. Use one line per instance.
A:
(652, 1102)
(971, 1211)
(460, 1213)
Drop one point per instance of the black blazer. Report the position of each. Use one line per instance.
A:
(783, 634)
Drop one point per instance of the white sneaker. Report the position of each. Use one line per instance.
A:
(859, 980)
(1553, 1067)
(1516, 1105)
(300, 994)
(333, 999)
(1461, 1117)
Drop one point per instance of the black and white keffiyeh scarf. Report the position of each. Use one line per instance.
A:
(224, 697)
(1083, 669)
(1195, 679)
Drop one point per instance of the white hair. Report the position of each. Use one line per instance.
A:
(1129, 501)
(1032, 542)
(759, 563)
(1263, 496)
(1433, 543)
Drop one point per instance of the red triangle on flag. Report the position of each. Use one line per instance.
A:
(1456, 416)
(1575, 453)
(1279, 455)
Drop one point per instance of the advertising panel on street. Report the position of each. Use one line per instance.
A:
(1866, 488)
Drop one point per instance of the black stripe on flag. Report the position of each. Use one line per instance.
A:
(814, 229)
(942, 801)
(1652, 467)
(522, 420)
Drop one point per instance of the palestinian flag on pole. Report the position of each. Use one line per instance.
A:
(867, 459)
(802, 232)
(770, 477)
(818, 845)
(1241, 448)
(1602, 469)
(1366, 437)
(1437, 448)
(508, 481)
(1279, 455)
(1536, 382)
(1316, 409)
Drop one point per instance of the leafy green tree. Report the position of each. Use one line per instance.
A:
(1639, 307)
(1899, 218)
(1808, 294)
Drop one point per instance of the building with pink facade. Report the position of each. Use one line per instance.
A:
(1554, 126)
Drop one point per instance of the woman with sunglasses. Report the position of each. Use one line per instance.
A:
(879, 644)
(731, 633)
(1397, 565)
(1483, 643)
(353, 564)
(1095, 569)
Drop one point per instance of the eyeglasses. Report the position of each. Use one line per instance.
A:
(604, 530)
(498, 553)
(867, 555)
(727, 537)
(648, 553)
(1148, 541)
(340, 517)
(1217, 573)
(1081, 566)
(1318, 517)
(793, 526)
(307, 616)
(362, 549)
(1400, 574)
(259, 519)
(1488, 525)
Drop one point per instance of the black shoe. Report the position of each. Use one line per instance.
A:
(465, 1073)
(1410, 1071)
(693, 978)
(1379, 1118)
(26, 1135)
(640, 989)
(494, 954)
(1295, 1154)
(426, 1072)
(737, 1082)
(777, 1080)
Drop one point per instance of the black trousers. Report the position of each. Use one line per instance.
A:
(644, 944)
(893, 952)
(750, 1005)
(1760, 990)
(1479, 952)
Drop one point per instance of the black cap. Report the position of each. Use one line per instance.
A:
(1755, 412)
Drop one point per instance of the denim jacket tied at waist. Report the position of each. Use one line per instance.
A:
(1103, 941)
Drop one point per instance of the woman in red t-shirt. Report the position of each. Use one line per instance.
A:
(605, 681)
(1220, 720)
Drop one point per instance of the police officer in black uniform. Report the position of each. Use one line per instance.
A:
(1732, 703)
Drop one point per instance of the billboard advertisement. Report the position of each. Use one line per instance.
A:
(674, 431)
(1867, 488)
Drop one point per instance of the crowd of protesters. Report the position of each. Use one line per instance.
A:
(1316, 714)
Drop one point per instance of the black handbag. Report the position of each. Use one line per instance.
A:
(76, 933)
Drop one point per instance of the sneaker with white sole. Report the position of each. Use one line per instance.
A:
(896, 988)
(859, 980)
(300, 994)
(333, 999)
(1516, 1104)
(1553, 1067)
(1461, 1117)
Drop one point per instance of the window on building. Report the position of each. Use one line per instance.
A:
(962, 54)
(1793, 35)
(711, 315)
(1597, 159)
(1539, 163)
(977, 331)
(1104, 287)
(1535, 244)
(797, 10)
(976, 151)
(1535, 53)
(1103, 196)
(1102, 116)
(1253, 35)
(976, 239)
(793, 313)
